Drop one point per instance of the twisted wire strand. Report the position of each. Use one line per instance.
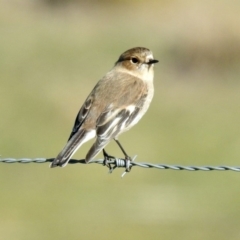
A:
(118, 162)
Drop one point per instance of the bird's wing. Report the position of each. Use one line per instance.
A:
(114, 99)
(108, 126)
(81, 116)
(111, 121)
(123, 110)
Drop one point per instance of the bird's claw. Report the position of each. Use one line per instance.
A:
(108, 161)
(128, 160)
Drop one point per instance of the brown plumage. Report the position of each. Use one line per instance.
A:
(116, 103)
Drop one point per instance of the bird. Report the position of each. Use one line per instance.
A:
(116, 104)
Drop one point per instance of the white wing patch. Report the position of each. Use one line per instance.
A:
(130, 108)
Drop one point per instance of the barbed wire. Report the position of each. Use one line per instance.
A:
(121, 163)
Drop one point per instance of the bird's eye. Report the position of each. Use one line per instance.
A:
(134, 60)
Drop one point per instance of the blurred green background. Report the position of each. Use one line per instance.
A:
(51, 55)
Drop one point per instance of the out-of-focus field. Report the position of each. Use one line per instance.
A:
(52, 56)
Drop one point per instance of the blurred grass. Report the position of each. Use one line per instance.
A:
(50, 60)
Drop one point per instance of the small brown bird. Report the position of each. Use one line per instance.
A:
(116, 103)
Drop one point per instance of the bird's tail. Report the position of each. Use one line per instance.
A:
(72, 146)
(96, 148)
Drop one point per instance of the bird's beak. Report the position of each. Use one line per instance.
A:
(152, 61)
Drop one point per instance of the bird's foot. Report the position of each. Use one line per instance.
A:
(128, 164)
(108, 161)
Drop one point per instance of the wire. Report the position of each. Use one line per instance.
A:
(118, 162)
